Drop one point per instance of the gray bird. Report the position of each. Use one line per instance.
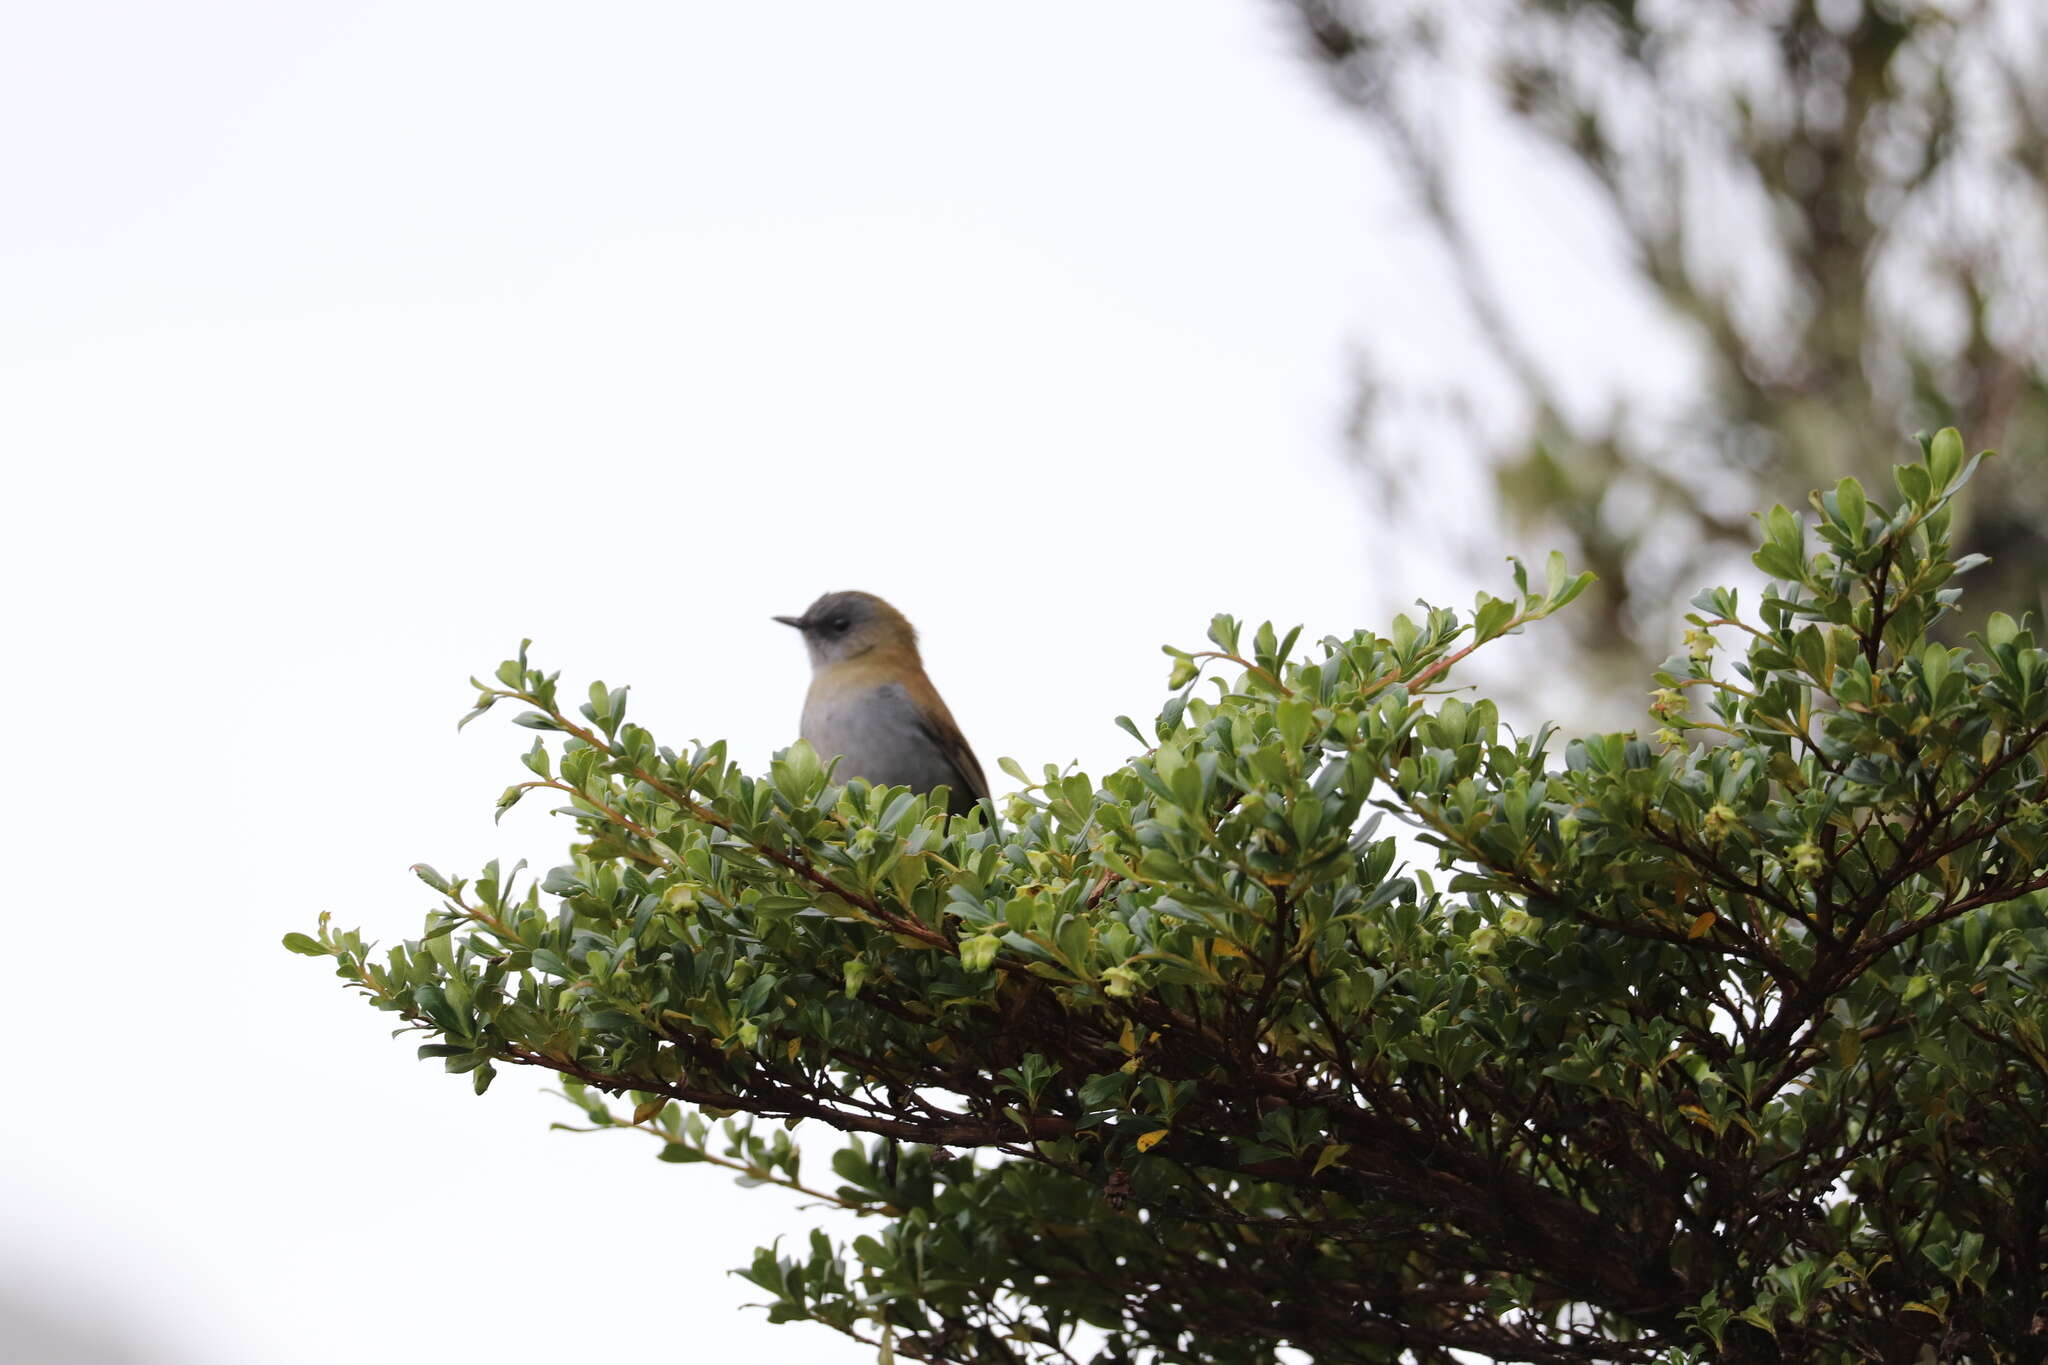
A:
(872, 706)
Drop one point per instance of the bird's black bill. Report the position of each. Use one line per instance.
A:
(796, 621)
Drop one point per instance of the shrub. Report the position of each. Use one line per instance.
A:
(1724, 1043)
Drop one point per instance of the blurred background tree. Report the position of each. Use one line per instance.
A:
(1843, 205)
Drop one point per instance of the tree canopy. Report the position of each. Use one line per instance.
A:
(1720, 1042)
(1838, 207)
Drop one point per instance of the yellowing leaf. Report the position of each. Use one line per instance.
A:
(1224, 948)
(1702, 924)
(1129, 1041)
(1697, 1115)
(1151, 1139)
(647, 1109)
(1334, 1152)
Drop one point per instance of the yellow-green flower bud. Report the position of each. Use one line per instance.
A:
(978, 954)
(1121, 982)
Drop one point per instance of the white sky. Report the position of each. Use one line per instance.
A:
(341, 346)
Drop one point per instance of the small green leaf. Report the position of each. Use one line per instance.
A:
(1913, 483)
(1334, 1152)
(1945, 457)
(1934, 666)
(1296, 719)
(1851, 506)
(1491, 618)
(302, 943)
(1573, 586)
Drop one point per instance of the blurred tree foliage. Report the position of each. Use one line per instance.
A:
(1675, 1050)
(1844, 203)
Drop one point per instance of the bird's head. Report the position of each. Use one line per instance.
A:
(845, 625)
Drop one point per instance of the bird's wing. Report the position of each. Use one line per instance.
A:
(954, 746)
(936, 723)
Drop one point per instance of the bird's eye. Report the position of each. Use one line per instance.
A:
(837, 624)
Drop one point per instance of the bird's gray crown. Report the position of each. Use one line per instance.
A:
(836, 613)
(845, 625)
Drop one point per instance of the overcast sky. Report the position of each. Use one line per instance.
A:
(341, 346)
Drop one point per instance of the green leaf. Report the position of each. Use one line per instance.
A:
(1852, 506)
(1296, 719)
(1783, 553)
(302, 943)
(1491, 618)
(1914, 484)
(1945, 458)
(1934, 665)
(1569, 593)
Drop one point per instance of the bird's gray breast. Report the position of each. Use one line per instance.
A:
(879, 735)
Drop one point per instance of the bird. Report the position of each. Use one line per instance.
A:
(872, 707)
